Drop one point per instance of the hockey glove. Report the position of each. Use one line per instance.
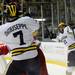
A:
(3, 49)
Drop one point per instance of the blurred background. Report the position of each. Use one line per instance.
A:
(49, 13)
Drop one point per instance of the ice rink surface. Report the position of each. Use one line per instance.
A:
(54, 69)
(56, 58)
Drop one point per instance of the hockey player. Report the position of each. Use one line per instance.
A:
(60, 31)
(19, 39)
(67, 36)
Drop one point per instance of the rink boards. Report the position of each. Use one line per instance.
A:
(55, 54)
